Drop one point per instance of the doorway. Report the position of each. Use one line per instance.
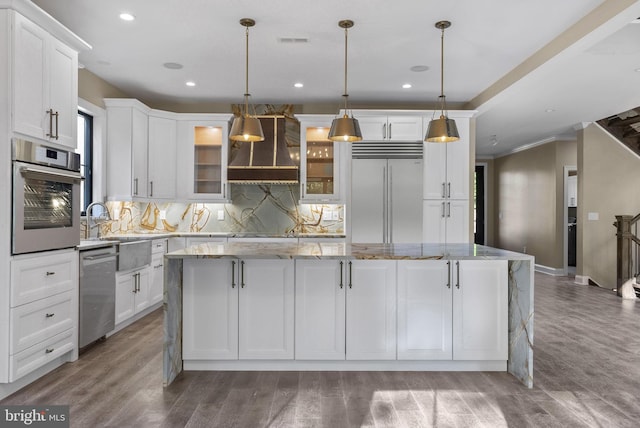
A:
(570, 218)
(479, 204)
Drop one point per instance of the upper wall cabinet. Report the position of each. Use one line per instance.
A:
(321, 161)
(161, 157)
(45, 84)
(380, 126)
(202, 157)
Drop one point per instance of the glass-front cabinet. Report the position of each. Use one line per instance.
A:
(206, 175)
(320, 161)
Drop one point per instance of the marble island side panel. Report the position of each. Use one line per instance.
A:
(520, 299)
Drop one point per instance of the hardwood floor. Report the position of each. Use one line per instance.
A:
(586, 373)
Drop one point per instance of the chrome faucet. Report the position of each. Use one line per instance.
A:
(101, 218)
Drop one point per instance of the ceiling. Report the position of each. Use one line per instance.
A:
(513, 61)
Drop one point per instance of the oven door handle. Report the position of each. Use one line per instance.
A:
(30, 170)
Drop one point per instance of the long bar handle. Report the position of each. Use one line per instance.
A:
(135, 186)
(390, 131)
(57, 114)
(448, 209)
(384, 131)
(444, 193)
(384, 205)
(233, 274)
(242, 273)
(341, 273)
(50, 113)
(448, 274)
(442, 209)
(350, 276)
(27, 170)
(458, 274)
(449, 190)
(151, 188)
(390, 201)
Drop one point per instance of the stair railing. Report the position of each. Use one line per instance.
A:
(628, 249)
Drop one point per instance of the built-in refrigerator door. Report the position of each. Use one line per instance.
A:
(368, 200)
(405, 200)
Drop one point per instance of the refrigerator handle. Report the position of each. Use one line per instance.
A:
(390, 202)
(384, 204)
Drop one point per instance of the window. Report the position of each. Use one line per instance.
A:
(85, 147)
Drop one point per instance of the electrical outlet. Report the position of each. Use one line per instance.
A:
(335, 215)
(220, 214)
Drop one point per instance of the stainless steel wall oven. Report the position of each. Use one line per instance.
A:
(46, 197)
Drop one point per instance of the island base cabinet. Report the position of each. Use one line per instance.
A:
(320, 310)
(371, 310)
(425, 310)
(480, 308)
(210, 310)
(266, 309)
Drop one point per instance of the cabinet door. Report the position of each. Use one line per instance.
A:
(30, 95)
(119, 160)
(210, 310)
(156, 282)
(320, 310)
(458, 166)
(139, 139)
(480, 298)
(125, 296)
(424, 310)
(320, 178)
(266, 309)
(373, 128)
(162, 158)
(434, 226)
(371, 310)
(457, 222)
(435, 170)
(142, 297)
(63, 83)
(404, 128)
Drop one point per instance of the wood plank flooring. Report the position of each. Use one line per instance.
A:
(586, 374)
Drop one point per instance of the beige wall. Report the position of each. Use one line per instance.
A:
(529, 201)
(607, 185)
(489, 197)
(93, 89)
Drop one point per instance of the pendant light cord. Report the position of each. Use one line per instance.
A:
(442, 72)
(246, 74)
(346, 43)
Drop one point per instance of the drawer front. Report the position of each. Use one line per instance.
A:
(36, 356)
(38, 277)
(159, 246)
(34, 322)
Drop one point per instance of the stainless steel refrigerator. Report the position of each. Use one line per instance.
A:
(386, 200)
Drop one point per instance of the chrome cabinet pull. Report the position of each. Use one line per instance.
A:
(449, 190)
(341, 267)
(390, 131)
(444, 194)
(49, 315)
(233, 274)
(443, 210)
(50, 113)
(448, 274)
(135, 186)
(242, 274)
(350, 276)
(457, 274)
(151, 188)
(384, 131)
(50, 273)
(448, 209)
(57, 114)
(390, 204)
(49, 350)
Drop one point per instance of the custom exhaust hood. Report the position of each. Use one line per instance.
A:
(274, 160)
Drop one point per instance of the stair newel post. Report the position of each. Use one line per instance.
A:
(624, 238)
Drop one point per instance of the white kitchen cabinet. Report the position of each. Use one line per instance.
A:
(161, 157)
(156, 281)
(480, 310)
(320, 310)
(132, 293)
(266, 309)
(371, 310)
(446, 167)
(322, 161)
(127, 137)
(202, 157)
(445, 221)
(45, 85)
(424, 310)
(389, 127)
(210, 310)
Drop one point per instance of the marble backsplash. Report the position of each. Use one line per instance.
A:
(268, 209)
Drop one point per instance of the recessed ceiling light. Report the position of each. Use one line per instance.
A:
(125, 16)
(80, 65)
(298, 85)
(419, 68)
(406, 86)
(172, 65)
(190, 83)
(638, 70)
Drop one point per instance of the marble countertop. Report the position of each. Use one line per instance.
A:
(152, 235)
(330, 250)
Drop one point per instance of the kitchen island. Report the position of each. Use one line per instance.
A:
(337, 306)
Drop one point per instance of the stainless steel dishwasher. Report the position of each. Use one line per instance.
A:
(97, 293)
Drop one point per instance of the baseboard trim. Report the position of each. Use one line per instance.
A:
(582, 279)
(550, 271)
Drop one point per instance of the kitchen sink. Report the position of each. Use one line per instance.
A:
(133, 254)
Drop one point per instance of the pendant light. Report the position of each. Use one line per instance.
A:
(345, 128)
(246, 127)
(442, 130)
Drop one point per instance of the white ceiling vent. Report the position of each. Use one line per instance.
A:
(296, 40)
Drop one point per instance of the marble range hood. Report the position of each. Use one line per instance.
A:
(268, 161)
